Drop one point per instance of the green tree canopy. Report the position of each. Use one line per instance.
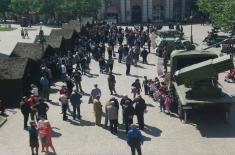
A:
(4, 5)
(21, 7)
(221, 12)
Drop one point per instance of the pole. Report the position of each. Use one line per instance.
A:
(125, 11)
(191, 38)
(147, 10)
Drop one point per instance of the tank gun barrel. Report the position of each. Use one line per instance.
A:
(203, 70)
(228, 39)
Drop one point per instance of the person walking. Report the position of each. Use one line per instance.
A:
(120, 53)
(110, 63)
(34, 90)
(22, 33)
(75, 100)
(136, 88)
(167, 103)
(47, 130)
(128, 113)
(97, 110)
(41, 107)
(45, 87)
(140, 109)
(26, 34)
(144, 54)
(77, 76)
(25, 110)
(63, 71)
(94, 92)
(64, 102)
(70, 85)
(112, 112)
(111, 83)
(32, 101)
(145, 85)
(134, 140)
(33, 137)
(128, 63)
(42, 134)
(110, 50)
(123, 105)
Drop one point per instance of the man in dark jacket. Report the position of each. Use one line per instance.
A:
(140, 107)
(120, 53)
(144, 55)
(77, 76)
(41, 107)
(128, 113)
(134, 140)
(25, 109)
(75, 100)
(123, 105)
(111, 83)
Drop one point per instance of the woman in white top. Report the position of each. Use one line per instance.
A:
(34, 90)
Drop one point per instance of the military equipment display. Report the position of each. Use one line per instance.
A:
(194, 83)
(168, 40)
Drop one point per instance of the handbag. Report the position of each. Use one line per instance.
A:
(90, 101)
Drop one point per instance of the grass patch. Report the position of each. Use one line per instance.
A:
(7, 29)
(31, 29)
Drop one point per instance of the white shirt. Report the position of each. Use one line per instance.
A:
(35, 91)
(63, 69)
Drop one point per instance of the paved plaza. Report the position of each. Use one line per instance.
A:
(163, 135)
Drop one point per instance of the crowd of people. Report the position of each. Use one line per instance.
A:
(93, 42)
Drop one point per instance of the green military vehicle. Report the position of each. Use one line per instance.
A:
(194, 82)
(170, 40)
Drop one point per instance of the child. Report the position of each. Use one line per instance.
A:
(167, 103)
(33, 137)
(145, 85)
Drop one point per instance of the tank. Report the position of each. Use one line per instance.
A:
(195, 84)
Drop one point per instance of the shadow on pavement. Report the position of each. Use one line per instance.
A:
(136, 76)
(153, 131)
(118, 74)
(213, 125)
(55, 133)
(81, 123)
(55, 103)
(150, 105)
(139, 66)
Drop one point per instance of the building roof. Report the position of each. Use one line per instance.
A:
(66, 33)
(28, 50)
(54, 41)
(37, 38)
(73, 25)
(12, 68)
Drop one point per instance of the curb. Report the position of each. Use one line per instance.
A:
(3, 121)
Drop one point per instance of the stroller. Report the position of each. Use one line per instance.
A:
(230, 77)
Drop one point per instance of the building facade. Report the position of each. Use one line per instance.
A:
(138, 11)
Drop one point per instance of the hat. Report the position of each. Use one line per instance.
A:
(32, 123)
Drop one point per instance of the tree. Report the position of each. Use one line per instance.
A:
(90, 7)
(221, 12)
(21, 7)
(4, 7)
(46, 7)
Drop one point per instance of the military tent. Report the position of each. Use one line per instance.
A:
(69, 36)
(16, 75)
